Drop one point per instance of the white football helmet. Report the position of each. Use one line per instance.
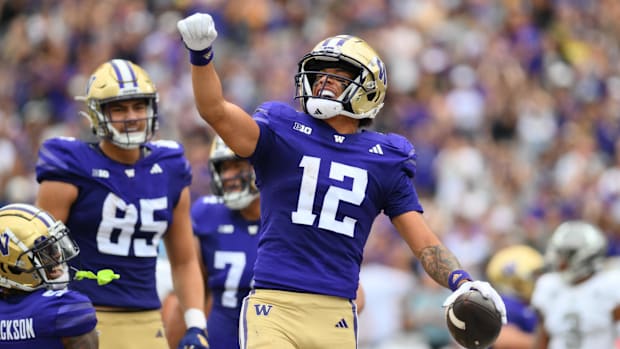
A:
(237, 199)
(119, 80)
(34, 249)
(362, 98)
(576, 249)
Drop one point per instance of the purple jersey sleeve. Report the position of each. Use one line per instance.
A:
(520, 314)
(120, 214)
(40, 319)
(320, 193)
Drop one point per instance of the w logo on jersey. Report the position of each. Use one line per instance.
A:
(262, 309)
(338, 138)
(4, 244)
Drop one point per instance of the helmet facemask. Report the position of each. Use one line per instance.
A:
(35, 249)
(104, 127)
(49, 257)
(238, 191)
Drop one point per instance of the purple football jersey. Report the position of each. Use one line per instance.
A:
(120, 215)
(320, 193)
(228, 244)
(41, 318)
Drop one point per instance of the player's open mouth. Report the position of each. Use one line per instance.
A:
(55, 272)
(327, 94)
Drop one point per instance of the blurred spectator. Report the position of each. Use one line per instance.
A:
(422, 315)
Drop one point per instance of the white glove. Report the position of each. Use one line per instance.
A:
(198, 31)
(485, 289)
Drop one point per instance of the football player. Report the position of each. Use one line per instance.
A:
(323, 179)
(36, 308)
(513, 271)
(578, 301)
(119, 197)
(226, 226)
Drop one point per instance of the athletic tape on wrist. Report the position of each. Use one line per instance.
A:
(202, 57)
(195, 318)
(455, 278)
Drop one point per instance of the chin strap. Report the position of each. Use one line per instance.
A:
(103, 276)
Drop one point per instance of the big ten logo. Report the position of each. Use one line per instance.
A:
(302, 128)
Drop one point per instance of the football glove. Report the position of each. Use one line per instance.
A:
(485, 289)
(198, 31)
(195, 338)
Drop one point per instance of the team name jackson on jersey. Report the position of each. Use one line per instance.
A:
(18, 329)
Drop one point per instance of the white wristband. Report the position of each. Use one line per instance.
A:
(195, 318)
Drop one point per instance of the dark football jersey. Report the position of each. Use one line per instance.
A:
(228, 244)
(41, 318)
(320, 193)
(120, 215)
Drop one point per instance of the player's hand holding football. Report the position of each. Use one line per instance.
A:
(195, 338)
(485, 289)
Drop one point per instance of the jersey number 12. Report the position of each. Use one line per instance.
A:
(333, 196)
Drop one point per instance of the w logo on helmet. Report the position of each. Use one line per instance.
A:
(4, 244)
(382, 74)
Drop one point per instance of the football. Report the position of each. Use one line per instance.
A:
(473, 320)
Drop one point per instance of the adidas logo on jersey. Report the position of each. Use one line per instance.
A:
(156, 169)
(342, 324)
(376, 149)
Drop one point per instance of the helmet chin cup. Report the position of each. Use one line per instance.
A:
(239, 200)
(128, 140)
(321, 108)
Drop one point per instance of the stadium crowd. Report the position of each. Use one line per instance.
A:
(513, 107)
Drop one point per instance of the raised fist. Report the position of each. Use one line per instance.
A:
(198, 31)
